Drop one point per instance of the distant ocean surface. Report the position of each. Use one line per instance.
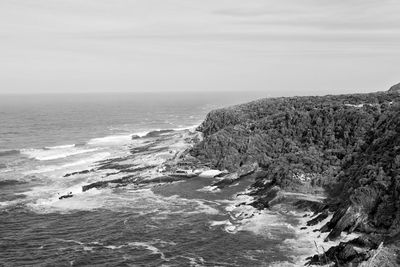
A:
(44, 137)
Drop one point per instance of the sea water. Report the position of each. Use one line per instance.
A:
(44, 137)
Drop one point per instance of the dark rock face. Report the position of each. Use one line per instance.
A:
(319, 218)
(395, 88)
(78, 172)
(65, 196)
(341, 255)
(131, 179)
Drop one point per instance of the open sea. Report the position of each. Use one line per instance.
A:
(45, 137)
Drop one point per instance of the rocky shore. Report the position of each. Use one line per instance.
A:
(346, 147)
(333, 159)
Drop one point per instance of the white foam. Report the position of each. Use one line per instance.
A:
(111, 140)
(5, 170)
(86, 161)
(212, 189)
(307, 242)
(55, 152)
(148, 246)
(210, 173)
(217, 223)
(202, 207)
(114, 247)
(79, 201)
(60, 147)
(116, 139)
(190, 128)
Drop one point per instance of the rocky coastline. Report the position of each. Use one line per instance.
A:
(346, 147)
(334, 159)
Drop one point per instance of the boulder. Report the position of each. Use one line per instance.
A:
(319, 218)
(243, 171)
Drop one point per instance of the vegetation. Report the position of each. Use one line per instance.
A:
(348, 144)
(308, 137)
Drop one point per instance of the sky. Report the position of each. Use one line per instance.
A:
(280, 47)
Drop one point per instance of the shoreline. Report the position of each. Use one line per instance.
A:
(243, 216)
(220, 179)
(288, 171)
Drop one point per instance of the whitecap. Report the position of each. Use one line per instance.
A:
(114, 247)
(60, 147)
(190, 128)
(308, 242)
(212, 189)
(114, 139)
(209, 173)
(54, 152)
(148, 246)
(86, 161)
(217, 223)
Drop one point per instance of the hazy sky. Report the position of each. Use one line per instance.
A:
(283, 47)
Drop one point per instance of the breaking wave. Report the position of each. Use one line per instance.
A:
(56, 152)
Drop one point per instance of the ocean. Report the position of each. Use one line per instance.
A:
(52, 145)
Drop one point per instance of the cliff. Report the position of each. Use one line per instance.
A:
(348, 145)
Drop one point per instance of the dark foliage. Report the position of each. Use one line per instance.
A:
(349, 144)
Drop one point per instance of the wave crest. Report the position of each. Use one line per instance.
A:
(56, 152)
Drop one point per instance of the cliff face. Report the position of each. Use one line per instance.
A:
(348, 144)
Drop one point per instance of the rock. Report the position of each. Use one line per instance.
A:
(343, 255)
(314, 206)
(183, 173)
(395, 88)
(265, 200)
(303, 228)
(101, 184)
(319, 218)
(316, 143)
(367, 241)
(227, 180)
(132, 179)
(66, 196)
(78, 172)
(348, 219)
(157, 133)
(247, 169)
(236, 176)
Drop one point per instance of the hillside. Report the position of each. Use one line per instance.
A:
(348, 145)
